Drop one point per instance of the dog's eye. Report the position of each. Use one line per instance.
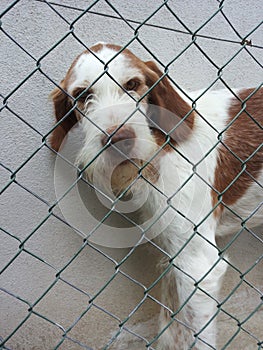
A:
(132, 85)
(80, 94)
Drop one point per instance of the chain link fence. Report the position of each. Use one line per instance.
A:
(59, 291)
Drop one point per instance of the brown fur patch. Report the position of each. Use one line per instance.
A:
(165, 96)
(161, 138)
(242, 138)
(62, 106)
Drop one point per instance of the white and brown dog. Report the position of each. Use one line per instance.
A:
(198, 158)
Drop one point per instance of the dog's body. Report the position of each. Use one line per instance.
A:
(199, 161)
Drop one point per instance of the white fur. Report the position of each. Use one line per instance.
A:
(192, 259)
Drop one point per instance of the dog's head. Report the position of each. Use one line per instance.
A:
(128, 110)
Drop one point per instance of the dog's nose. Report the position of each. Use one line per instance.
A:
(123, 139)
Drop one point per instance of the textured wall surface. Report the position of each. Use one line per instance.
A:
(29, 117)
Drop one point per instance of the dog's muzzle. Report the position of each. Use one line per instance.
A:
(122, 139)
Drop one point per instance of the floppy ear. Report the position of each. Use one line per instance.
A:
(166, 106)
(62, 105)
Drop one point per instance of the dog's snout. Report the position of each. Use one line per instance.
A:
(123, 139)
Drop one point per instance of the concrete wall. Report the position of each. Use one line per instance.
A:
(24, 216)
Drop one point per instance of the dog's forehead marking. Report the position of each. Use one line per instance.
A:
(89, 67)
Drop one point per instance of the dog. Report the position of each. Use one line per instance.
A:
(197, 156)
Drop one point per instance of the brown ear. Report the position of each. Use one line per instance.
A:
(62, 106)
(167, 107)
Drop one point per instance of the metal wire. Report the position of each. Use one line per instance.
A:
(242, 44)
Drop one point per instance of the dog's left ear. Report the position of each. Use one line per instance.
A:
(62, 107)
(166, 106)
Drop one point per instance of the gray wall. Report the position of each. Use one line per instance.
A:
(29, 117)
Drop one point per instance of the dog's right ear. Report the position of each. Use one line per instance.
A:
(62, 107)
(167, 107)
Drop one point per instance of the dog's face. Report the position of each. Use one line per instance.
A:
(107, 90)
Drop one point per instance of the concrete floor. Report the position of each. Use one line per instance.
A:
(244, 306)
(64, 303)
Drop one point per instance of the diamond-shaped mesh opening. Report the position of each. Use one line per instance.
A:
(62, 290)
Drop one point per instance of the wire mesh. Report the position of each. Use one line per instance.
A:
(38, 215)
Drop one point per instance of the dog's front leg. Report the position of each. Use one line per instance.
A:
(190, 289)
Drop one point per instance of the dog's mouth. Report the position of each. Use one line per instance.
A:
(129, 173)
(119, 180)
(122, 190)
